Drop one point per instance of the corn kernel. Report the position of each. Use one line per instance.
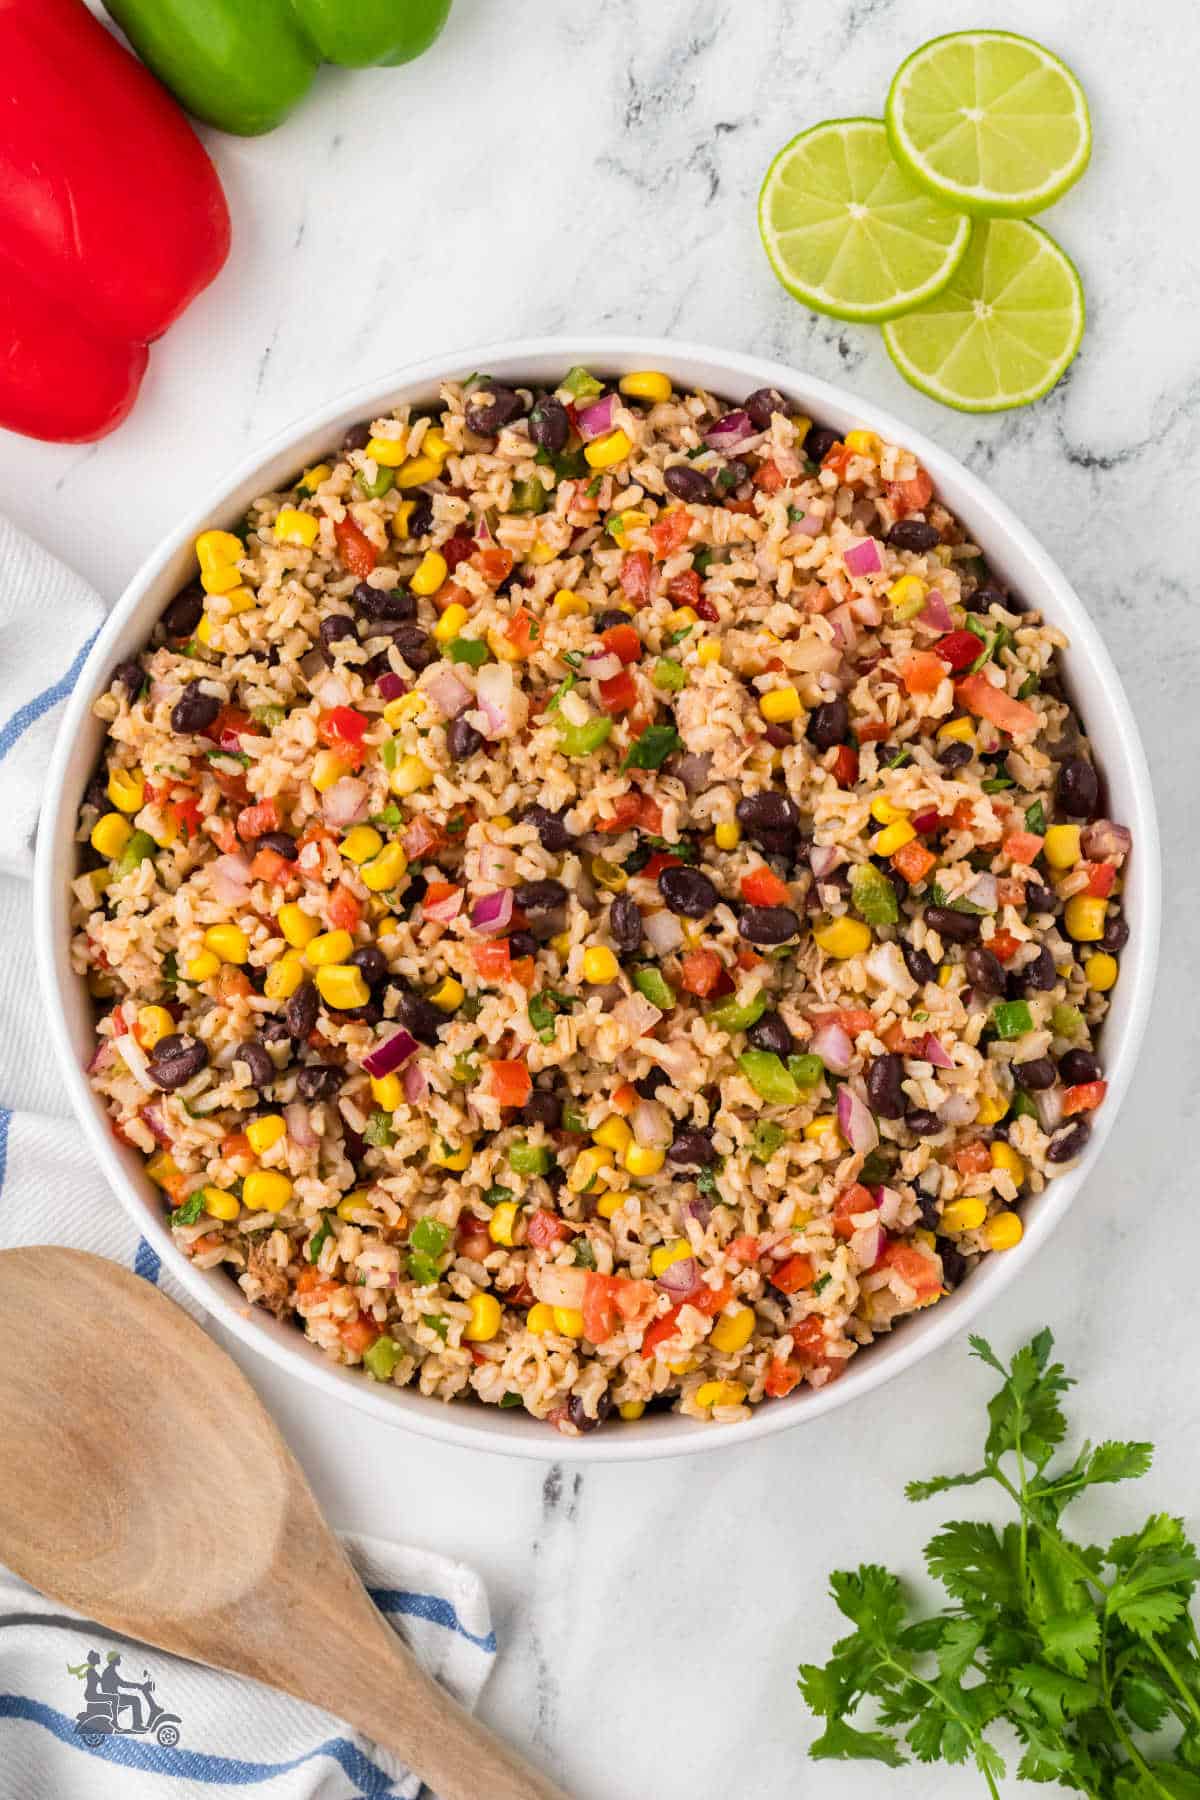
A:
(683, 1368)
(485, 1318)
(621, 524)
(265, 1131)
(204, 631)
(401, 518)
(863, 443)
(610, 876)
(455, 1158)
(153, 1024)
(566, 603)
(354, 1204)
(613, 1134)
(500, 1225)
(733, 1331)
(945, 975)
(560, 943)
(606, 452)
(502, 822)
(126, 789)
(266, 1190)
(820, 1127)
(429, 574)
(568, 1321)
(1006, 1158)
(720, 1393)
(217, 549)
(313, 478)
(1083, 916)
(632, 1409)
(295, 527)
(221, 580)
(449, 994)
(927, 1238)
(298, 927)
(956, 731)
(502, 646)
(203, 966)
(451, 622)
(162, 1168)
(708, 652)
(586, 1168)
(407, 706)
(541, 553)
(610, 1203)
(386, 1091)
(893, 838)
(435, 445)
(97, 880)
(884, 813)
(240, 600)
(220, 1204)
(111, 834)
(419, 470)
(389, 453)
(728, 834)
(663, 1255)
(599, 965)
(327, 768)
(992, 1109)
(780, 706)
(1003, 1231)
(646, 384)
(843, 938)
(330, 947)
(229, 942)
(1100, 972)
(683, 615)
(540, 1318)
(908, 594)
(409, 776)
(342, 986)
(644, 1159)
(1062, 847)
(361, 843)
(284, 977)
(964, 1215)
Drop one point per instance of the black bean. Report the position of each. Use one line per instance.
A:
(490, 408)
(370, 1013)
(828, 724)
(522, 943)
(131, 675)
(883, 1086)
(689, 484)
(420, 1017)
(96, 794)
(692, 1150)
(954, 1264)
(1039, 899)
(184, 612)
(733, 474)
(194, 710)
(988, 595)
(581, 1419)
(919, 963)
(929, 1205)
(301, 1010)
(381, 603)
(771, 1033)
(688, 892)
(275, 1031)
(175, 1060)
(648, 1084)
(1116, 933)
(762, 404)
(262, 1069)
(375, 666)
(542, 1108)
(462, 739)
(1078, 788)
(768, 811)
(550, 424)
(282, 843)
(625, 923)
(611, 616)
(540, 896)
(1038, 976)
(319, 1081)
(420, 520)
(768, 924)
(552, 833)
(1036, 1074)
(1077, 1066)
(1066, 1145)
(357, 438)
(985, 971)
(415, 646)
(371, 962)
(921, 1122)
(819, 443)
(956, 927)
(913, 534)
(336, 629)
(955, 755)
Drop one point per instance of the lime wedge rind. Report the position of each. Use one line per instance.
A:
(976, 197)
(794, 181)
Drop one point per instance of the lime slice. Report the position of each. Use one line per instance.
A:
(989, 122)
(1003, 330)
(847, 231)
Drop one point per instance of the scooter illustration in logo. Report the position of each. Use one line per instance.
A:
(107, 1695)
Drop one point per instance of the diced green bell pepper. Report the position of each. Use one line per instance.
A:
(769, 1077)
(582, 740)
(529, 1159)
(766, 1140)
(139, 849)
(873, 895)
(1012, 1019)
(655, 987)
(243, 67)
(734, 1015)
(381, 1358)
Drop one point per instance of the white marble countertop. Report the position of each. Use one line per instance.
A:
(567, 166)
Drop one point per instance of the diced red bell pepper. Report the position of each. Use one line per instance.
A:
(635, 576)
(781, 1378)
(355, 548)
(790, 1276)
(268, 865)
(342, 729)
(422, 840)
(684, 590)
(913, 861)
(493, 959)
(510, 1083)
(700, 971)
(851, 1201)
(671, 532)
(844, 767)
(457, 549)
(623, 641)
(523, 969)
(1101, 877)
(852, 1019)
(522, 631)
(922, 672)
(1003, 945)
(977, 694)
(659, 1331)
(625, 811)
(358, 1334)
(768, 478)
(252, 821)
(662, 859)
(920, 1272)
(973, 1159)
(227, 728)
(1086, 1096)
(958, 648)
(618, 694)
(873, 731)
(1021, 847)
(809, 1340)
(762, 887)
(186, 816)
(345, 908)
(910, 496)
(493, 563)
(546, 1228)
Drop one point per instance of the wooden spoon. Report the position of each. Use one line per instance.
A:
(144, 1485)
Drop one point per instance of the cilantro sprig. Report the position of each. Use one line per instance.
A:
(1088, 1654)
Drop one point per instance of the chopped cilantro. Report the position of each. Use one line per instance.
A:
(651, 750)
(190, 1211)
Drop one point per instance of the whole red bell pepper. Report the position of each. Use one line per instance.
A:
(112, 220)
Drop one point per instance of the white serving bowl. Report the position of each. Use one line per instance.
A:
(1011, 552)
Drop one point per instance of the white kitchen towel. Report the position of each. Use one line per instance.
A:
(210, 1735)
(234, 1738)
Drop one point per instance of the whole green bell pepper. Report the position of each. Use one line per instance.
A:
(244, 67)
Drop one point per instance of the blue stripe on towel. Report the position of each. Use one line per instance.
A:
(433, 1607)
(5, 1122)
(33, 710)
(147, 1263)
(195, 1765)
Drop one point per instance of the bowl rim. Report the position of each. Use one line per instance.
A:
(475, 1428)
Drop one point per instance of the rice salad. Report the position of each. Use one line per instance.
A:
(598, 899)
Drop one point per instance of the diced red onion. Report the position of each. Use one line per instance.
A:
(299, 1125)
(664, 931)
(635, 1015)
(503, 710)
(1103, 839)
(346, 802)
(935, 1052)
(387, 1057)
(416, 1085)
(699, 1209)
(983, 892)
(493, 914)
(823, 859)
(497, 863)
(448, 693)
(154, 1122)
(601, 667)
(694, 770)
(682, 1279)
(101, 1057)
(959, 1109)
(596, 420)
(1048, 1104)
(832, 1044)
(844, 627)
(231, 878)
(862, 558)
(811, 525)
(651, 1125)
(730, 430)
(935, 613)
(867, 1245)
(391, 686)
(483, 530)
(867, 610)
(856, 1121)
(443, 911)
